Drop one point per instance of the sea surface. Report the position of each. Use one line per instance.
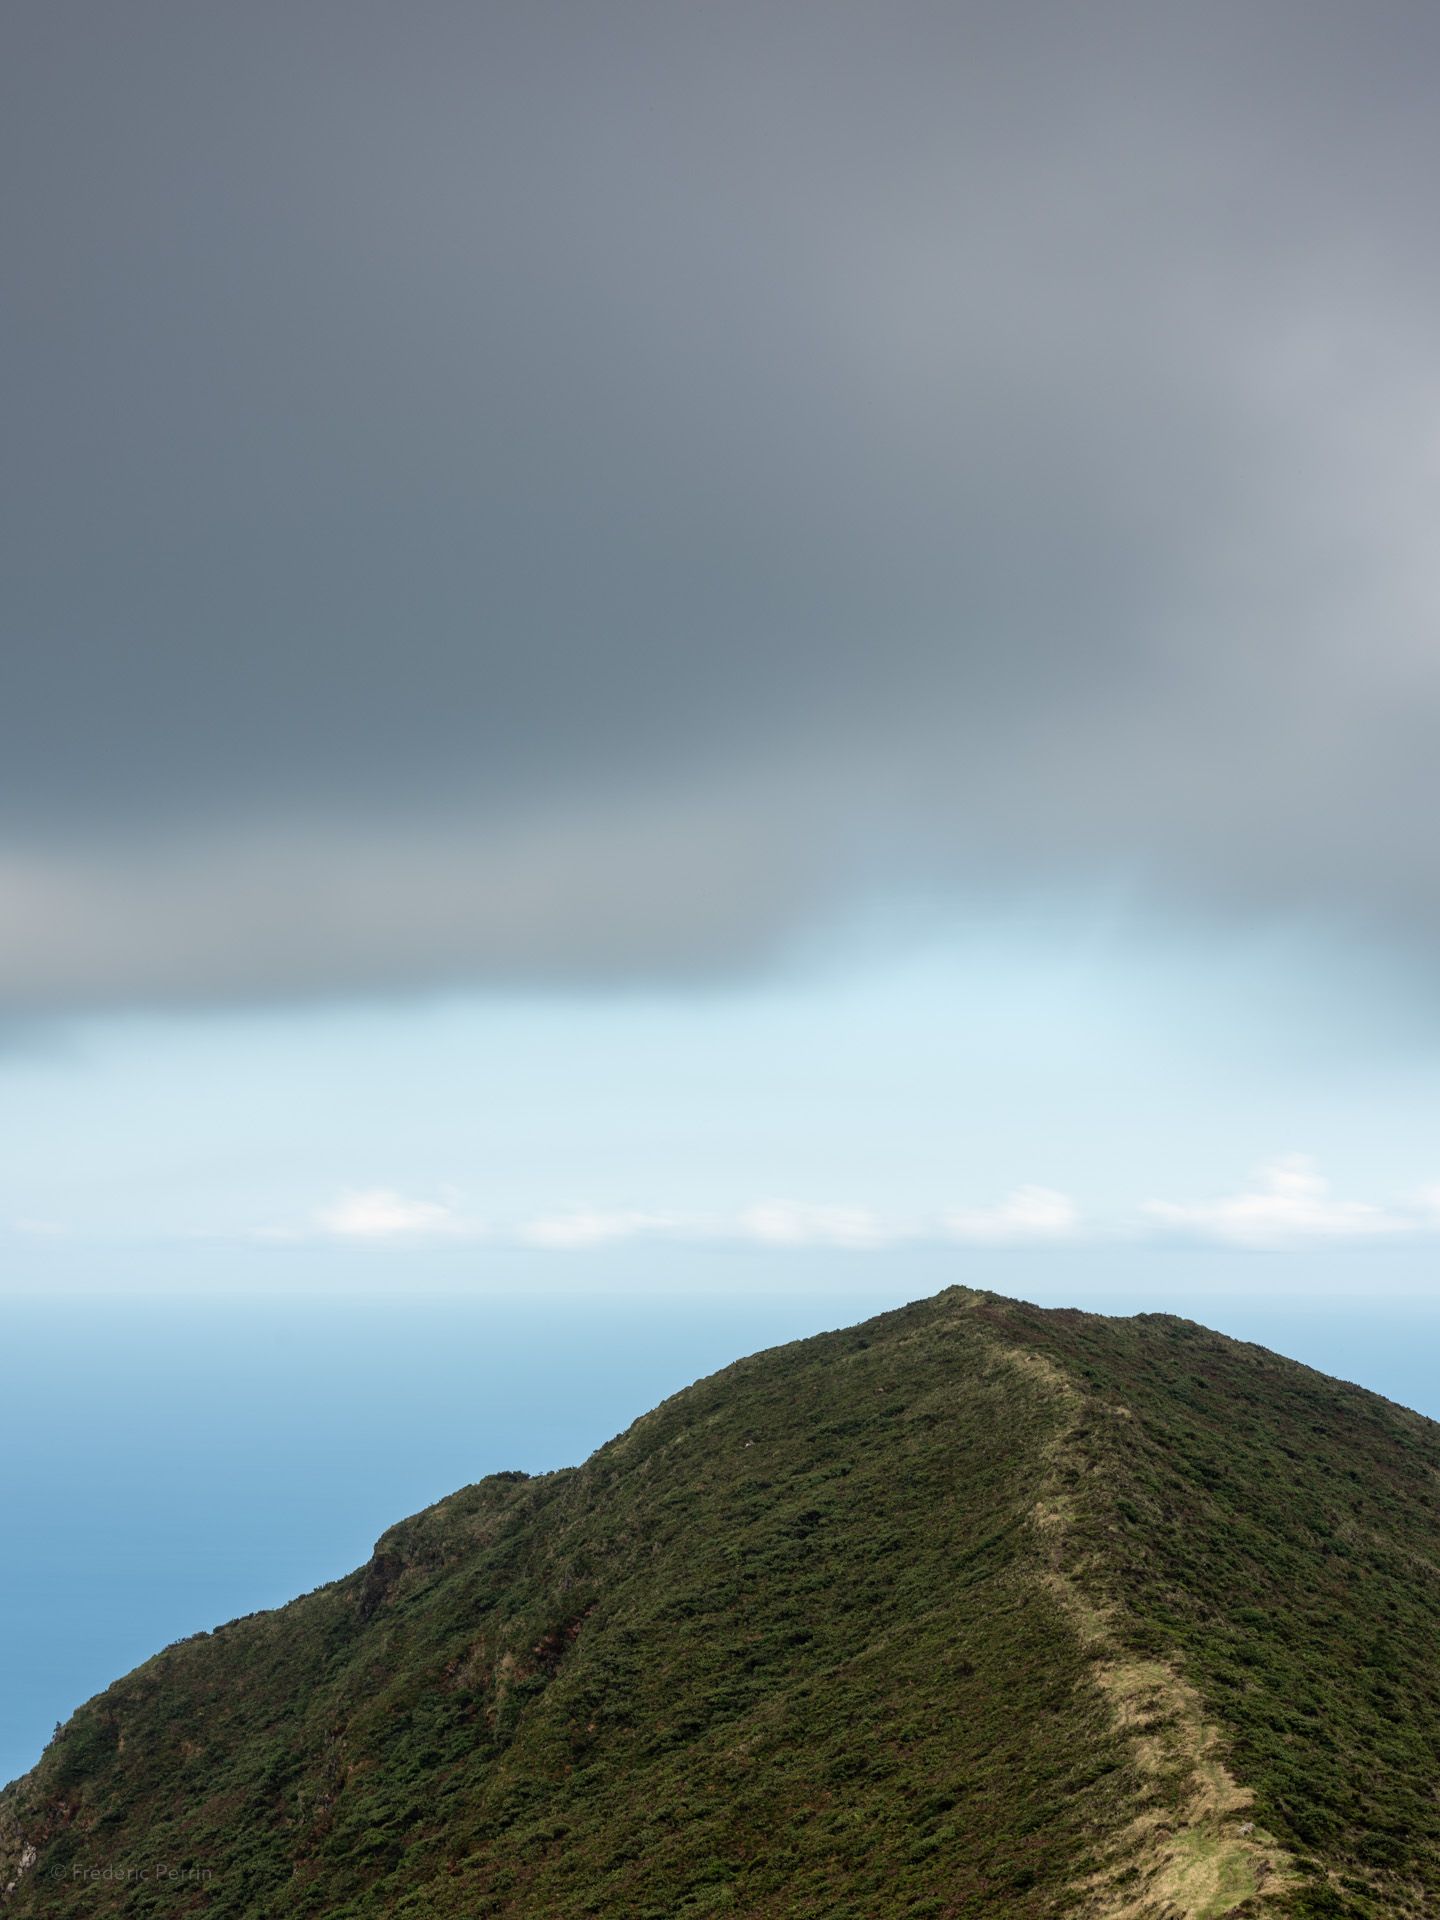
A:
(171, 1462)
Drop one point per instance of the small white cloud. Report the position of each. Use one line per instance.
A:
(786, 1223)
(1288, 1204)
(379, 1213)
(1029, 1214)
(594, 1228)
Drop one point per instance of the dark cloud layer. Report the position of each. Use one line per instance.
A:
(569, 491)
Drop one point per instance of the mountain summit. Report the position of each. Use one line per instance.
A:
(975, 1609)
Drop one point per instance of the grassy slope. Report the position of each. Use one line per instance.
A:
(1276, 1536)
(973, 1609)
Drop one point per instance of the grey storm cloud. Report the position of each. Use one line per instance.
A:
(585, 492)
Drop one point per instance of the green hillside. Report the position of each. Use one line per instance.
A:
(974, 1609)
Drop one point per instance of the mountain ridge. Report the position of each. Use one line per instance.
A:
(976, 1607)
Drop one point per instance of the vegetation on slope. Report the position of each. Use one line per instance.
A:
(1275, 1536)
(971, 1610)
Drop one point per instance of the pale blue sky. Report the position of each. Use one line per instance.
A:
(878, 1090)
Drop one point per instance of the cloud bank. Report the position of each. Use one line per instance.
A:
(549, 494)
(379, 1213)
(1288, 1205)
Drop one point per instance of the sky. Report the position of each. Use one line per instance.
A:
(959, 1088)
(709, 655)
(657, 612)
